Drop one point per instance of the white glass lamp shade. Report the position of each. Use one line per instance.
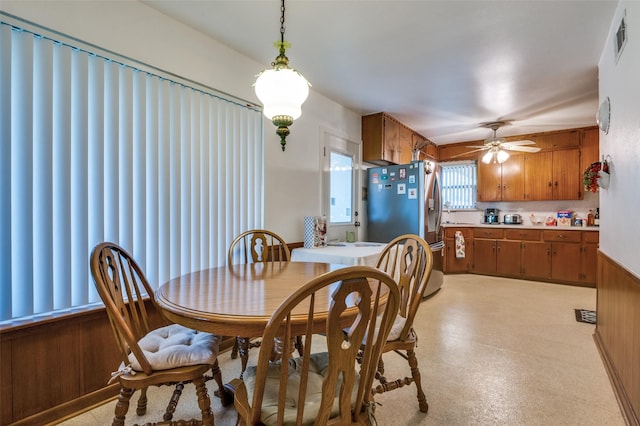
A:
(486, 158)
(282, 92)
(502, 156)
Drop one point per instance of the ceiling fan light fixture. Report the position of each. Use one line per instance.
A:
(282, 90)
(487, 157)
(502, 156)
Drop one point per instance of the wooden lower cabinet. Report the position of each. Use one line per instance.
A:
(565, 256)
(485, 256)
(453, 264)
(535, 260)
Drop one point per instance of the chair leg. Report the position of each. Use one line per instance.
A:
(173, 402)
(203, 401)
(299, 345)
(226, 397)
(415, 373)
(243, 349)
(122, 406)
(234, 350)
(141, 409)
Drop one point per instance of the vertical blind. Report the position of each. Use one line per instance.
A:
(459, 184)
(94, 149)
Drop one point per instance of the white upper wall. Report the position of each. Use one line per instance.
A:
(132, 29)
(620, 203)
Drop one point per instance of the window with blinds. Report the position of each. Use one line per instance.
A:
(459, 185)
(99, 148)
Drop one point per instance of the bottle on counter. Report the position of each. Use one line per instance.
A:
(590, 218)
(596, 217)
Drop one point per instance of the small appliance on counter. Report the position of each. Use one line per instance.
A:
(491, 216)
(512, 219)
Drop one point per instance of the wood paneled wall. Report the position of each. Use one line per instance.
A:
(48, 364)
(617, 332)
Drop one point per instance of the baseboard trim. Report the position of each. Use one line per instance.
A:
(618, 388)
(59, 413)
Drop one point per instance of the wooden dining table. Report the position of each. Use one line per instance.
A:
(238, 300)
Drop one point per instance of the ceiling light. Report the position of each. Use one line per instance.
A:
(502, 156)
(282, 90)
(486, 158)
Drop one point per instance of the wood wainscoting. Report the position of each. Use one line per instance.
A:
(617, 333)
(56, 367)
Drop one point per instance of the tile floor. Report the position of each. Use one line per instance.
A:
(492, 351)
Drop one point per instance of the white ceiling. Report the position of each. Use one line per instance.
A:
(440, 67)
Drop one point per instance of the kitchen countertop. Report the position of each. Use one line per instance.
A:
(521, 226)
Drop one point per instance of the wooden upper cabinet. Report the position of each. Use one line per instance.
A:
(513, 178)
(405, 145)
(538, 176)
(590, 147)
(556, 140)
(501, 182)
(567, 177)
(385, 140)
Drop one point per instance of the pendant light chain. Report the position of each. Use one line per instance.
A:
(282, 23)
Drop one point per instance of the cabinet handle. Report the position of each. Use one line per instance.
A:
(556, 184)
(550, 184)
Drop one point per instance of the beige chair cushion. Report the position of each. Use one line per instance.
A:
(396, 329)
(319, 363)
(176, 346)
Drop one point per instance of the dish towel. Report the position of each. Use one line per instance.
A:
(459, 245)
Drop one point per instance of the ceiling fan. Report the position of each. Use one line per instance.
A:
(497, 147)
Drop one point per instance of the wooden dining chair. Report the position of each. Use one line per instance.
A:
(409, 260)
(329, 386)
(167, 355)
(253, 246)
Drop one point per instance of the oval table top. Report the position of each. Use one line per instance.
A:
(238, 300)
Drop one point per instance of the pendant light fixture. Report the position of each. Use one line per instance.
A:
(282, 90)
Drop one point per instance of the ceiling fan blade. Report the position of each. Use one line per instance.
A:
(478, 146)
(484, 148)
(523, 142)
(521, 148)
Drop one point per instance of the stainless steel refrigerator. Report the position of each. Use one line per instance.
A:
(405, 199)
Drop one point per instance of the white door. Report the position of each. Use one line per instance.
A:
(341, 180)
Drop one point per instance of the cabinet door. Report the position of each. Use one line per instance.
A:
(508, 258)
(404, 146)
(489, 182)
(566, 261)
(536, 259)
(538, 176)
(391, 139)
(513, 178)
(484, 256)
(557, 140)
(590, 263)
(452, 263)
(567, 179)
(590, 148)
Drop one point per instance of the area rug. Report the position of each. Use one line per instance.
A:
(584, 315)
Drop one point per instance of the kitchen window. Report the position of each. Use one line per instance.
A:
(459, 185)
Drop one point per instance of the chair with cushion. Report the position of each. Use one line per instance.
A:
(408, 259)
(169, 355)
(329, 386)
(253, 246)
